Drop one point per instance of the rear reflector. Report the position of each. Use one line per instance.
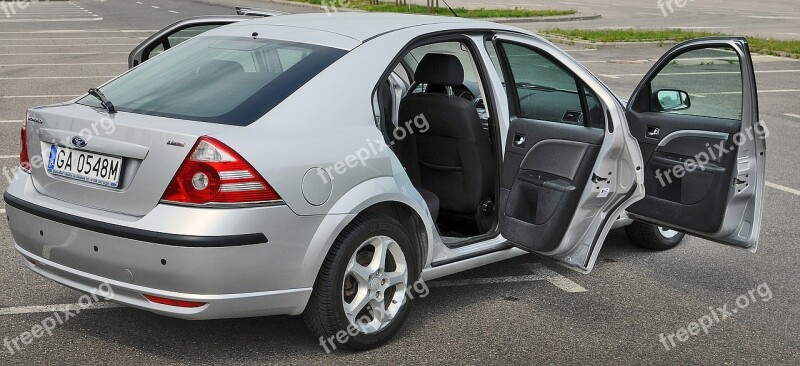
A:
(214, 174)
(173, 302)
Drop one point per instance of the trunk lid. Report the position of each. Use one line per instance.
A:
(151, 150)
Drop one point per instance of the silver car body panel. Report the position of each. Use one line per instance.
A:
(293, 142)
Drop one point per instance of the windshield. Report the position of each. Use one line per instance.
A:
(226, 80)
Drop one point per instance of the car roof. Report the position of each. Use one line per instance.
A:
(361, 26)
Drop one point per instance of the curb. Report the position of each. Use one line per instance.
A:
(557, 18)
(605, 45)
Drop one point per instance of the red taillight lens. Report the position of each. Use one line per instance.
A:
(215, 174)
(24, 159)
(173, 302)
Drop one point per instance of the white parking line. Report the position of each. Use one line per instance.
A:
(60, 53)
(617, 76)
(555, 278)
(10, 121)
(55, 77)
(70, 45)
(782, 188)
(792, 115)
(540, 273)
(780, 91)
(67, 38)
(37, 96)
(56, 308)
(9, 156)
(772, 17)
(62, 31)
(77, 64)
(31, 20)
(759, 92)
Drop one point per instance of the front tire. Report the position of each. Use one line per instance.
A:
(652, 236)
(359, 300)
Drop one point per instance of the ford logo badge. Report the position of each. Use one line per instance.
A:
(78, 141)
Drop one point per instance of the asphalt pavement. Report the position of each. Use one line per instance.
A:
(514, 312)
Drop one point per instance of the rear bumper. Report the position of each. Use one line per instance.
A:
(204, 258)
(217, 306)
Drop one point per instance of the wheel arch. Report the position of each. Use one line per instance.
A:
(401, 202)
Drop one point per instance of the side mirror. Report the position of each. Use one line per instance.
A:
(673, 100)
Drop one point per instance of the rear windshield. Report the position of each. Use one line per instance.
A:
(225, 80)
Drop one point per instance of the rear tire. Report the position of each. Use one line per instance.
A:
(652, 236)
(354, 277)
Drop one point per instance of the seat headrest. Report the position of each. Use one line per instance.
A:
(439, 69)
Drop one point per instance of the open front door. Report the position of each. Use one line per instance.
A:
(570, 166)
(695, 115)
(176, 33)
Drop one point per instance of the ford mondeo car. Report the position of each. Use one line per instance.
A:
(325, 165)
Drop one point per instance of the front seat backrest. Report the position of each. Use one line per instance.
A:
(448, 154)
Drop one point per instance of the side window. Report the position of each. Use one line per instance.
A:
(400, 71)
(186, 33)
(244, 58)
(492, 51)
(174, 39)
(290, 56)
(705, 82)
(547, 92)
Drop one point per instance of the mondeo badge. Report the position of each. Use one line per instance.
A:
(78, 141)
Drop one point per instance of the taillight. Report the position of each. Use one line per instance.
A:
(214, 174)
(24, 159)
(173, 302)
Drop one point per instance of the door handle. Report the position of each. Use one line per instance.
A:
(519, 140)
(653, 132)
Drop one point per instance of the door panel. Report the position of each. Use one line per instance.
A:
(547, 166)
(570, 166)
(704, 160)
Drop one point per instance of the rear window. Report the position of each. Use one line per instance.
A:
(225, 80)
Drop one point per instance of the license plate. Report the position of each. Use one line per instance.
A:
(85, 166)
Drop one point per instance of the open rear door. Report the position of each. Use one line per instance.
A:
(570, 166)
(695, 115)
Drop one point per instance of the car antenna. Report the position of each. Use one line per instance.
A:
(103, 100)
(451, 9)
